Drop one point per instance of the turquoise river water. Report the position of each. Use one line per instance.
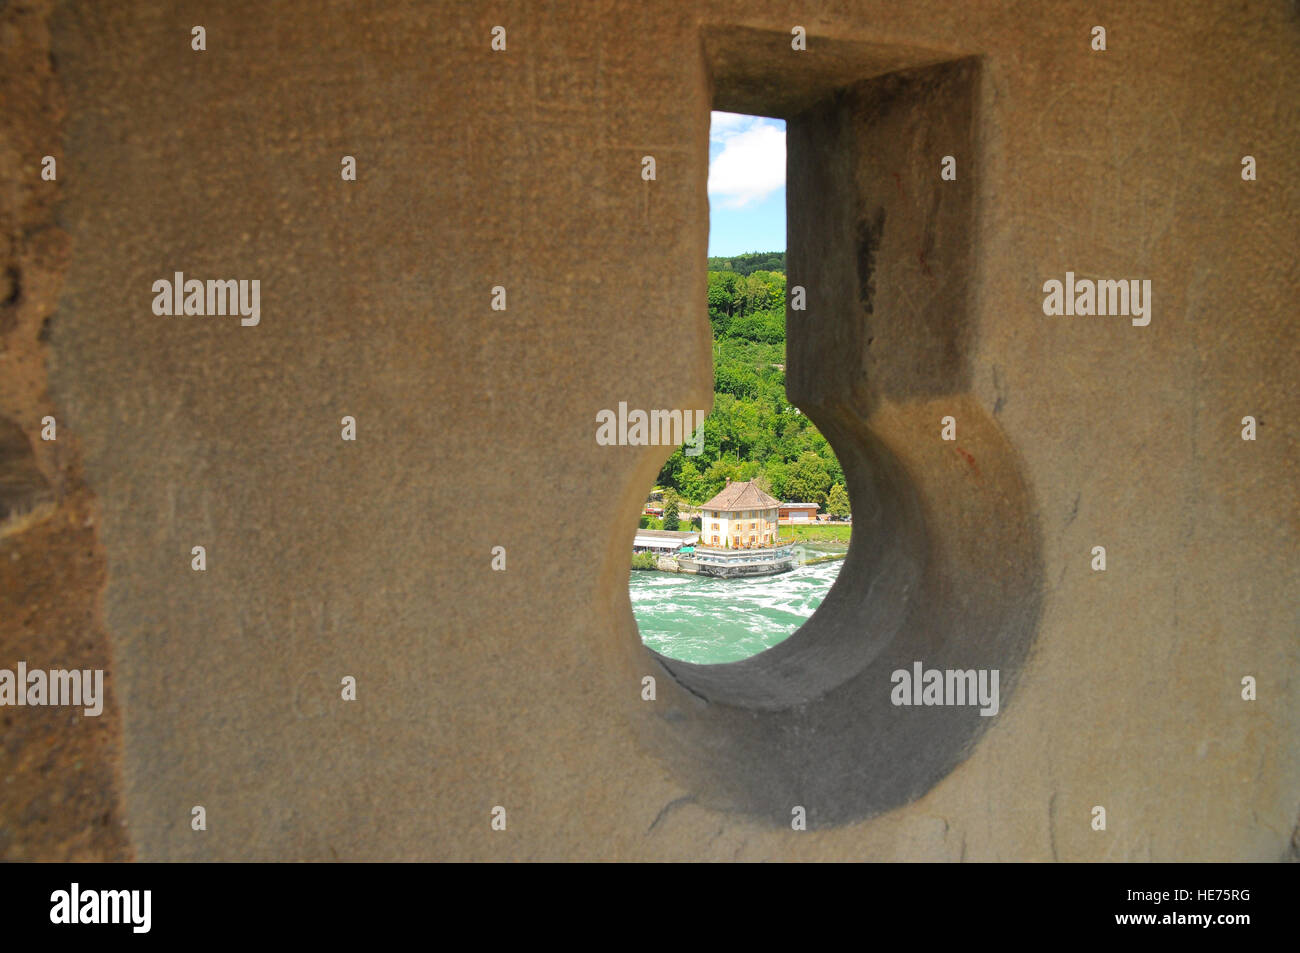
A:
(707, 620)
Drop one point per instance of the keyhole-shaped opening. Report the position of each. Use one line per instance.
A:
(945, 572)
(748, 524)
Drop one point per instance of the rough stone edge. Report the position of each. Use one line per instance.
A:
(61, 531)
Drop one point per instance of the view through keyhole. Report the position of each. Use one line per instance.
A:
(748, 523)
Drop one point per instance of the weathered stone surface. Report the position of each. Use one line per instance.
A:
(25, 495)
(522, 688)
(59, 796)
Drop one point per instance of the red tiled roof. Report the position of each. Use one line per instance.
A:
(741, 496)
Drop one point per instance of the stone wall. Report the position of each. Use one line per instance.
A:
(523, 688)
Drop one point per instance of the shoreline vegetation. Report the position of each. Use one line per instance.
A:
(829, 558)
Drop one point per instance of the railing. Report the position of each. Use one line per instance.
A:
(742, 556)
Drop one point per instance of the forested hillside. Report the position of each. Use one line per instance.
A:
(753, 431)
(750, 262)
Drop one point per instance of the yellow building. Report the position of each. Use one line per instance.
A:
(740, 517)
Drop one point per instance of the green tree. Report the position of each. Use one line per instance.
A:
(671, 519)
(722, 290)
(668, 473)
(688, 482)
(837, 501)
(774, 475)
(807, 480)
(752, 293)
(716, 476)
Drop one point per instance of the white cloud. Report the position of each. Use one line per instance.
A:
(751, 165)
(722, 124)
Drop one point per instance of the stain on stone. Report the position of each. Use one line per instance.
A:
(668, 809)
(1074, 510)
(970, 460)
(869, 234)
(11, 286)
(25, 495)
(10, 292)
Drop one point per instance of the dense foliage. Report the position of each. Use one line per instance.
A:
(750, 262)
(753, 431)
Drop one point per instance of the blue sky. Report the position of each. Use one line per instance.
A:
(746, 184)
